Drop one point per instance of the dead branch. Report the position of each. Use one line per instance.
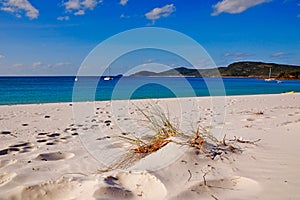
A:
(245, 141)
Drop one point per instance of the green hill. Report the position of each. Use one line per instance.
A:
(238, 69)
(259, 69)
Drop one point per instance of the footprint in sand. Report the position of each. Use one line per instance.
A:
(113, 192)
(23, 147)
(18, 148)
(54, 156)
(55, 138)
(53, 135)
(5, 132)
(131, 185)
(41, 140)
(42, 134)
(227, 188)
(6, 177)
(70, 130)
(7, 151)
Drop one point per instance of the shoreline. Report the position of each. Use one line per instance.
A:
(163, 98)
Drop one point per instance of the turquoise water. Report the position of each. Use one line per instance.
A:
(26, 90)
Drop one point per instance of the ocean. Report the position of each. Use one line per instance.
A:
(29, 90)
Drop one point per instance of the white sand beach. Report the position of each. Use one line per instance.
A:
(62, 151)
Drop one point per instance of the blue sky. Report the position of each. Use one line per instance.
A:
(53, 37)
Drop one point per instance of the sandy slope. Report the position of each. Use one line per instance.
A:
(50, 151)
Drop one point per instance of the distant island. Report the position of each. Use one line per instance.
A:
(237, 69)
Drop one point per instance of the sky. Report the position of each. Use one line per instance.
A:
(53, 37)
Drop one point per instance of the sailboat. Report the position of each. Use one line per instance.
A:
(108, 78)
(270, 79)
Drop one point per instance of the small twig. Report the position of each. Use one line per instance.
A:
(100, 171)
(245, 141)
(259, 113)
(224, 141)
(13, 135)
(190, 175)
(204, 179)
(213, 196)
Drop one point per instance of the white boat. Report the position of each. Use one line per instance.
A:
(76, 79)
(270, 79)
(108, 78)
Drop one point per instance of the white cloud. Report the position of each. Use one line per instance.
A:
(123, 16)
(150, 60)
(72, 4)
(278, 54)
(61, 64)
(79, 12)
(78, 7)
(236, 54)
(18, 6)
(41, 65)
(90, 4)
(7, 9)
(235, 6)
(123, 2)
(2, 56)
(18, 65)
(63, 18)
(37, 64)
(157, 13)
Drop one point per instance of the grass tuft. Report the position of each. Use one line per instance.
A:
(163, 129)
(165, 132)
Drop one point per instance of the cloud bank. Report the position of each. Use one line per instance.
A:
(157, 13)
(17, 7)
(78, 7)
(235, 6)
